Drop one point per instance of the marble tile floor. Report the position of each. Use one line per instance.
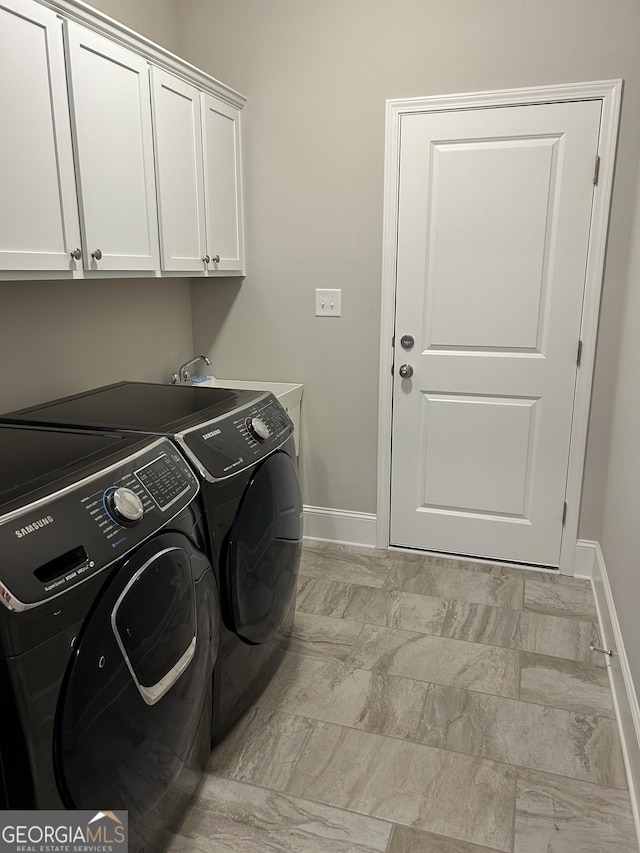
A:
(424, 705)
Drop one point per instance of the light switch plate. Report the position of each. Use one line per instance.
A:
(328, 303)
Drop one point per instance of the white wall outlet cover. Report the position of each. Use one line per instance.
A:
(328, 303)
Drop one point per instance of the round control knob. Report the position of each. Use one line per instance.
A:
(125, 506)
(257, 429)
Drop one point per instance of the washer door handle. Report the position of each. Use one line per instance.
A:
(153, 693)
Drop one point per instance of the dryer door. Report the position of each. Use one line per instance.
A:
(133, 720)
(264, 550)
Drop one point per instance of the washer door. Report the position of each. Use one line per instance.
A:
(264, 550)
(132, 728)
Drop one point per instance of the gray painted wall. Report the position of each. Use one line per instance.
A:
(619, 542)
(317, 76)
(58, 338)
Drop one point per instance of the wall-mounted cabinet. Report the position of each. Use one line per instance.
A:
(38, 210)
(111, 119)
(223, 185)
(88, 184)
(197, 148)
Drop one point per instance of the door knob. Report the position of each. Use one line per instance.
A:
(97, 255)
(406, 371)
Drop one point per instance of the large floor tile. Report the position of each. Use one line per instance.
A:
(338, 693)
(559, 600)
(534, 632)
(444, 580)
(357, 603)
(556, 815)
(323, 637)
(480, 623)
(524, 734)
(365, 566)
(232, 817)
(408, 783)
(262, 748)
(405, 839)
(559, 636)
(579, 687)
(438, 659)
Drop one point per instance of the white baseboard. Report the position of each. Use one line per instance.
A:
(586, 558)
(340, 525)
(625, 697)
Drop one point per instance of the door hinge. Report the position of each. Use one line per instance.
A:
(596, 171)
(579, 358)
(564, 513)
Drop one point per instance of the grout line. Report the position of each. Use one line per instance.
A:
(515, 811)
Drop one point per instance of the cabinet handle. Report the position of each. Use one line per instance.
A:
(216, 259)
(206, 259)
(76, 254)
(97, 255)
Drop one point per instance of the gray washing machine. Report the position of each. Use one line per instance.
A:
(109, 627)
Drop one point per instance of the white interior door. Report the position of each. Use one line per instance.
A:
(493, 232)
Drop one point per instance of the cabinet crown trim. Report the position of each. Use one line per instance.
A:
(82, 13)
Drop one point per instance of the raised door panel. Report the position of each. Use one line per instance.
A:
(177, 124)
(111, 112)
(223, 185)
(38, 207)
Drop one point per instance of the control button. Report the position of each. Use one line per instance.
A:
(125, 505)
(257, 429)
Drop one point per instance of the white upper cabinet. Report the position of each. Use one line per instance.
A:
(111, 114)
(197, 147)
(38, 208)
(116, 157)
(223, 185)
(177, 125)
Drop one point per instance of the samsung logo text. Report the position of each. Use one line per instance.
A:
(211, 434)
(35, 525)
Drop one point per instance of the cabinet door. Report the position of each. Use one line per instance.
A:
(177, 125)
(111, 113)
(223, 185)
(38, 207)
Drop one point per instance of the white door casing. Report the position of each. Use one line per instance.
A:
(482, 431)
(39, 225)
(111, 115)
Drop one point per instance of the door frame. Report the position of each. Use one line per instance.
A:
(609, 92)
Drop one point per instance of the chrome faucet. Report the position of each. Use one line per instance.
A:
(183, 374)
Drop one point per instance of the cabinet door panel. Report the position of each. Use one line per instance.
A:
(38, 207)
(177, 125)
(223, 184)
(114, 149)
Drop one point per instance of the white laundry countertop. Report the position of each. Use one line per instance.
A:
(289, 393)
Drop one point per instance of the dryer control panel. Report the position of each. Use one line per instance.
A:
(60, 541)
(230, 443)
